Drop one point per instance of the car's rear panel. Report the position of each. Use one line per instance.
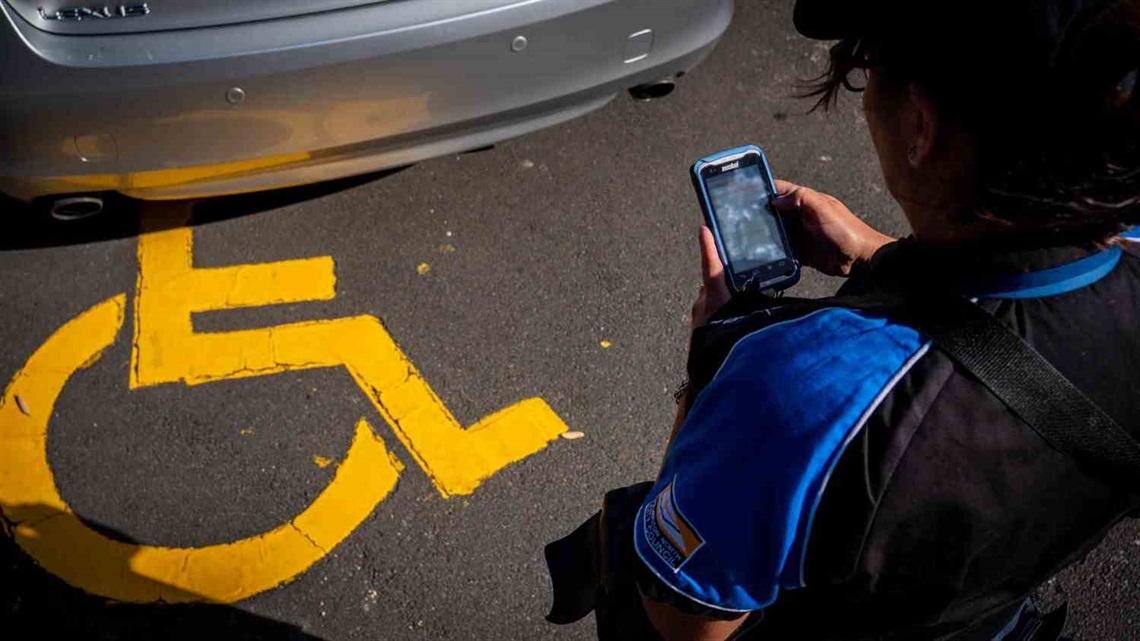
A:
(253, 105)
(79, 17)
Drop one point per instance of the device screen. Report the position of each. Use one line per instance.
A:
(748, 228)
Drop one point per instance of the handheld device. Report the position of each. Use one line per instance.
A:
(735, 189)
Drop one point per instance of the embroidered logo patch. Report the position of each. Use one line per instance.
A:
(667, 531)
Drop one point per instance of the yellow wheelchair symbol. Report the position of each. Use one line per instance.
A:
(166, 349)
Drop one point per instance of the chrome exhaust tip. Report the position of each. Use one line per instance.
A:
(76, 207)
(653, 90)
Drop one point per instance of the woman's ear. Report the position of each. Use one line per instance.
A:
(922, 128)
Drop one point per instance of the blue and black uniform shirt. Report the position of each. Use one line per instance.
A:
(834, 465)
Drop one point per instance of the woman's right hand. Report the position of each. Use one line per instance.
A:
(826, 234)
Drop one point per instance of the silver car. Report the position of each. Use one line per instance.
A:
(169, 99)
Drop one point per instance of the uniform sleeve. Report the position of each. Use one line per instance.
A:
(726, 523)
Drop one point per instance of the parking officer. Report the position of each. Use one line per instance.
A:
(838, 473)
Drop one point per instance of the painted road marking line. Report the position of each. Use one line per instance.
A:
(48, 530)
(167, 350)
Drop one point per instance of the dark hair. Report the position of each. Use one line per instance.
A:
(1059, 144)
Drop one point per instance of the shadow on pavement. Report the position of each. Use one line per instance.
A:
(35, 604)
(28, 226)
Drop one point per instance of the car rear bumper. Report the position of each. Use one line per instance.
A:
(217, 110)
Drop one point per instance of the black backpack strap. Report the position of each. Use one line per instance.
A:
(1029, 385)
(1019, 376)
(1011, 369)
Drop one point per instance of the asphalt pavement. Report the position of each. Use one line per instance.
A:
(559, 266)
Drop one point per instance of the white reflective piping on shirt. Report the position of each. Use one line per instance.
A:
(636, 546)
(858, 427)
(649, 566)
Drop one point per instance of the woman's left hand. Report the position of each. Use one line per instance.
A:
(714, 290)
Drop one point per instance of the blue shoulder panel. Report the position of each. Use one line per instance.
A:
(728, 520)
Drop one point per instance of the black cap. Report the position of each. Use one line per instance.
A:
(1007, 23)
(834, 19)
(1010, 48)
